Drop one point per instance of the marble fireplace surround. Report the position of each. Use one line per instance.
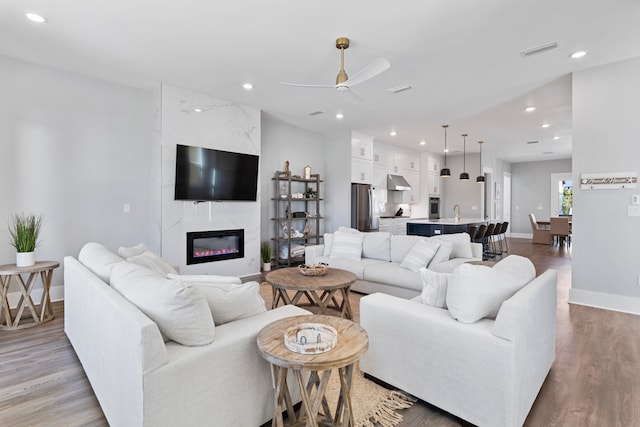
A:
(221, 125)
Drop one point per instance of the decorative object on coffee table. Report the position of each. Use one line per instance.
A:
(310, 338)
(327, 292)
(25, 230)
(313, 269)
(11, 273)
(353, 342)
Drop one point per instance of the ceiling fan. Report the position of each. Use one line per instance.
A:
(344, 84)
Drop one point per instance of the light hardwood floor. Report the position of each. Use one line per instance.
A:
(595, 380)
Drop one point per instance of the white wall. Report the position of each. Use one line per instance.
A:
(606, 130)
(76, 149)
(337, 158)
(282, 142)
(222, 125)
(530, 191)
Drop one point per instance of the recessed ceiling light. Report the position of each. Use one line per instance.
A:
(423, 142)
(393, 133)
(247, 86)
(545, 125)
(530, 109)
(556, 137)
(35, 18)
(198, 110)
(339, 116)
(578, 54)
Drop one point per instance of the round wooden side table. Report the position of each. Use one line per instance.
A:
(353, 342)
(10, 273)
(330, 291)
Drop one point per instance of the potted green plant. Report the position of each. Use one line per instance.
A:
(265, 251)
(24, 231)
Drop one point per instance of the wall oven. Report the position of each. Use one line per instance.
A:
(434, 208)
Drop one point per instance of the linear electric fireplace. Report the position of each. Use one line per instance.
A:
(209, 246)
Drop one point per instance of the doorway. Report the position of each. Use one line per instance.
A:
(506, 198)
(561, 194)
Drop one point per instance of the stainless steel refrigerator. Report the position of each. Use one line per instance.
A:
(365, 213)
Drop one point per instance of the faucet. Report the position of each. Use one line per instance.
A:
(458, 212)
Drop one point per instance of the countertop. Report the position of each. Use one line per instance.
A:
(448, 221)
(401, 217)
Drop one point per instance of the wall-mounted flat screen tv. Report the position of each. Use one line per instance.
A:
(204, 174)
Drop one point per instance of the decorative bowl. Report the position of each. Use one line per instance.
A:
(313, 269)
(310, 338)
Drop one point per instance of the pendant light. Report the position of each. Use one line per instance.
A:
(445, 172)
(480, 178)
(464, 176)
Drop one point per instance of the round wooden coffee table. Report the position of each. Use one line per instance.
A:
(353, 342)
(320, 291)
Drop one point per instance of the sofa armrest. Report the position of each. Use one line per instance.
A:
(311, 253)
(476, 250)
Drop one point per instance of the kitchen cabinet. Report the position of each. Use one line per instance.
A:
(395, 226)
(380, 156)
(433, 182)
(379, 176)
(361, 171)
(413, 195)
(362, 149)
(433, 163)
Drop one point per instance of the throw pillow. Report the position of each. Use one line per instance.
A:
(346, 245)
(477, 291)
(420, 255)
(443, 254)
(461, 244)
(99, 260)
(377, 245)
(434, 287)
(154, 263)
(230, 301)
(517, 265)
(207, 278)
(328, 243)
(136, 250)
(181, 314)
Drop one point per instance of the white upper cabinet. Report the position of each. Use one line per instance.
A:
(361, 171)
(361, 146)
(433, 163)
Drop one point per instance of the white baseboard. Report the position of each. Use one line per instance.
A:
(522, 235)
(57, 294)
(613, 302)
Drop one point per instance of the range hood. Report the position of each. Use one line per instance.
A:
(397, 183)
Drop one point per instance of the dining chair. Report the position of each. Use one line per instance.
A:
(561, 230)
(541, 231)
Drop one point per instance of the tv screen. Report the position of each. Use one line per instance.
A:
(203, 174)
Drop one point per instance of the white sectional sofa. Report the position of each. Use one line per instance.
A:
(141, 380)
(378, 264)
(463, 358)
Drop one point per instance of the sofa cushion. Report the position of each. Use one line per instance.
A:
(420, 255)
(328, 243)
(518, 265)
(401, 245)
(181, 314)
(355, 267)
(444, 252)
(461, 244)
(138, 249)
(205, 278)
(434, 287)
(346, 245)
(390, 273)
(99, 260)
(377, 245)
(477, 291)
(230, 301)
(153, 262)
(449, 265)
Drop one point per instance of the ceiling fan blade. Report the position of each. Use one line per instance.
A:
(353, 96)
(303, 85)
(371, 70)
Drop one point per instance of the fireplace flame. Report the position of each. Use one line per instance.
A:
(212, 252)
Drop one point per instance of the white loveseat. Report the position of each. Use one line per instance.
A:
(487, 372)
(141, 380)
(378, 268)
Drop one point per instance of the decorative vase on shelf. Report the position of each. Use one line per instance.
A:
(25, 259)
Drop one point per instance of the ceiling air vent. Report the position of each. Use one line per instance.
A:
(539, 49)
(315, 113)
(532, 142)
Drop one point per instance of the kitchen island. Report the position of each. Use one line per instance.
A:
(433, 227)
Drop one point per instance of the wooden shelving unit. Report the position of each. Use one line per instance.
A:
(285, 224)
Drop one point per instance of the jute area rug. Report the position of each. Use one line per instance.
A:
(373, 405)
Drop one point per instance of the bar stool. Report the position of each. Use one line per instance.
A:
(473, 229)
(505, 225)
(493, 239)
(485, 242)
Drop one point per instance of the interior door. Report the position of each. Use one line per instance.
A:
(506, 199)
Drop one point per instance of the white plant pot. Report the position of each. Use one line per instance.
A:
(266, 266)
(25, 259)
